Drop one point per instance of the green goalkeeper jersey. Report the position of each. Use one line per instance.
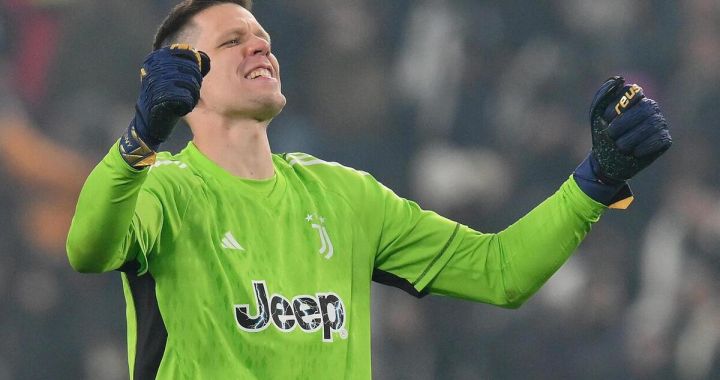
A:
(228, 278)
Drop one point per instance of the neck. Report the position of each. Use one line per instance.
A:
(239, 146)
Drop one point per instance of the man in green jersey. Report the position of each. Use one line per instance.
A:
(240, 263)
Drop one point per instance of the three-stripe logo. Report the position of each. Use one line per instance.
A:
(229, 242)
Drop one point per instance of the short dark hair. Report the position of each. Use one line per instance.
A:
(178, 18)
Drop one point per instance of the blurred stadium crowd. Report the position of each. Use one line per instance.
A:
(476, 109)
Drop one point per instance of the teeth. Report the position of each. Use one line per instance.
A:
(262, 72)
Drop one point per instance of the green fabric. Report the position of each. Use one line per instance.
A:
(506, 268)
(308, 240)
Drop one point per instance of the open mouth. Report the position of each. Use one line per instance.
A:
(259, 73)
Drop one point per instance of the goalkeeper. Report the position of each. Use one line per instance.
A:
(240, 263)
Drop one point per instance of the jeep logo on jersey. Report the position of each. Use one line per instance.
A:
(310, 313)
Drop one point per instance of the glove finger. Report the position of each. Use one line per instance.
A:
(655, 144)
(191, 70)
(604, 96)
(204, 63)
(177, 106)
(629, 119)
(635, 136)
(166, 114)
(623, 100)
(191, 87)
(186, 51)
(200, 58)
(165, 84)
(179, 96)
(162, 68)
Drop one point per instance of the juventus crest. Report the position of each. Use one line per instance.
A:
(317, 222)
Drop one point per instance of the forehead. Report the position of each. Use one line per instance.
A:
(225, 18)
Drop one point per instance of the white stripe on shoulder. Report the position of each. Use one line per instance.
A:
(307, 160)
(316, 161)
(300, 155)
(159, 163)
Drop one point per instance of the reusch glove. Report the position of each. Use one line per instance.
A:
(629, 132)
(170, 88)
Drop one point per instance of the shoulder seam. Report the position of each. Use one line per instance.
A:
(304, 159)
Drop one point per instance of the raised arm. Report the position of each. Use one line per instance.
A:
(115, 219)
(629, 132)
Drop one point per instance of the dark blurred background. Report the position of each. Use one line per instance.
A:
(476, 109)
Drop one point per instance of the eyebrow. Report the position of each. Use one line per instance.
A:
(259, 32)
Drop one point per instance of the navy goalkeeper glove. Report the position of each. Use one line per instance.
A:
(629, 132)
(170, 88)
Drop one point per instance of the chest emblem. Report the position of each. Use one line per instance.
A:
(228, 242)
(317, 222)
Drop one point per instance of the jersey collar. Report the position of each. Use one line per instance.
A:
(271, 189)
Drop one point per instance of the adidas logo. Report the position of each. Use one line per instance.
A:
(229, 242)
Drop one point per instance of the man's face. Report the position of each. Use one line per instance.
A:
(244, 77)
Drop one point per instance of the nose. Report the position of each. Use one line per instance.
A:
(258, 46)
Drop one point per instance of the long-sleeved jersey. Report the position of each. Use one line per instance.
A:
(233, 278)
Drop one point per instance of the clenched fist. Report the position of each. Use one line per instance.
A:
(170, 88)
(629, 132)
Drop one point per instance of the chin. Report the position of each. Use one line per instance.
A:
(262, 107)
(270, 108)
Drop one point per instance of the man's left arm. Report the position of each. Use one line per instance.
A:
(421, 252)
(508, 267)
(629, 132)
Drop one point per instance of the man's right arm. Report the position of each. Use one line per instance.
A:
(114, 220)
